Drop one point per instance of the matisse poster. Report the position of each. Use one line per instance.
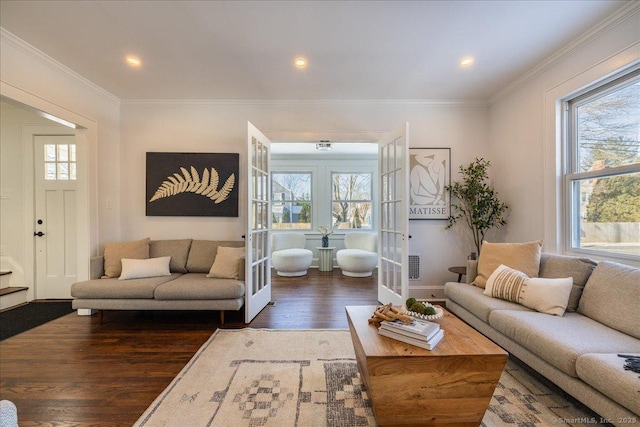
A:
(429, 174)
(192, 184)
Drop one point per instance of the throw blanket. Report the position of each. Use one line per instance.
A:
(631, 363)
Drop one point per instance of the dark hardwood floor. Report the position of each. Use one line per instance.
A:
(73, 371)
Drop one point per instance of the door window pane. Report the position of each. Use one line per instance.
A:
(59, 162)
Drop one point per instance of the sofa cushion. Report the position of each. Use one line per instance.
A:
(556, 266)
(606, 373)
(611, 297)
(472, 299)
(196, 286)
(115, 251)
(227, 263)
(118, 289)
(141, 268)
(178, 250)
(520, 256)
(203, 252)
(560, 340)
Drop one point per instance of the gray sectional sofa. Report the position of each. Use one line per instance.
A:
(580, 350)
(186, 288)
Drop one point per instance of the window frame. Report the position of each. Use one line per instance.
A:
(572, 176)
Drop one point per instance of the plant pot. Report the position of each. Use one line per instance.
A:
(325, 241)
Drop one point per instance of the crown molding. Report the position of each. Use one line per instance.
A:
(310, 102)
(604, 26)
(43, 58)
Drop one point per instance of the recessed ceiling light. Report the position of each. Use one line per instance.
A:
(300, 62)
(466, 62)
(134, 61)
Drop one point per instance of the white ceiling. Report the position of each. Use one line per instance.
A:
(358, 50)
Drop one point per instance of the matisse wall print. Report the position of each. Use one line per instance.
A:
(429, 173)
(192, 184)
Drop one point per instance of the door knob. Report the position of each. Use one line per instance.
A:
(39, 234)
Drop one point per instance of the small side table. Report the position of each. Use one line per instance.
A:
(460, 271)
(325, 258)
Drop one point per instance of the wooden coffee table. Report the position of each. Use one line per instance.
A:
(407, 385)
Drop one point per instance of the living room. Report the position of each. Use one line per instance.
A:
(512, 123)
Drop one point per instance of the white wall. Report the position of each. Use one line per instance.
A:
(221, 127)
(31, 78)
(524, 138)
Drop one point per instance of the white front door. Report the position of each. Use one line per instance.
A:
(258, 241)
(55, 225)
(393, 226)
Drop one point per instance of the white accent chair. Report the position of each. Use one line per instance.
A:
(288, 255)
(360, 256)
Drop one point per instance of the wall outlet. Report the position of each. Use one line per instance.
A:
(3, 250)
(5, 193)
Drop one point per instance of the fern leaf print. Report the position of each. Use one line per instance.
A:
(190, 182)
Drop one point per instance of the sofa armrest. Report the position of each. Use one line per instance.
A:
(96, 267)
(241, 267)
(472, 270)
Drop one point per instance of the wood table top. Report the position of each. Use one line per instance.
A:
(459, 338)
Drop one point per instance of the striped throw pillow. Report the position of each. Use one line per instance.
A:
(506, 283)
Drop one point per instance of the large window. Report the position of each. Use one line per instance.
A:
(603, 168)
(351, 200)
(291, 200)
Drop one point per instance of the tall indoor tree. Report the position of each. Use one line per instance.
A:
(474, 202)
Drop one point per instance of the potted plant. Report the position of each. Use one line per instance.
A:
(474, 202)
(326, 232)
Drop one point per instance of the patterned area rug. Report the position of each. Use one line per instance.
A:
(260, 377)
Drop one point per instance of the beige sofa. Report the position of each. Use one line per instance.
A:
(186, 288)
(580, 350)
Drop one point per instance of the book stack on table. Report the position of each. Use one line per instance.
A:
(421, 333)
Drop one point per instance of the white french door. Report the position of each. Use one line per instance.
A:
(55, 227)
(258, 241)
(393, 225)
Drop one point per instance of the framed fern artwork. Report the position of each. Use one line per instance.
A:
(192, 184)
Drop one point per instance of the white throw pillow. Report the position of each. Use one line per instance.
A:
(550, 296)
(142, 268)
(227, 262)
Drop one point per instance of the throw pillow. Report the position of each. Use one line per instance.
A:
(142, 268)
(550, 296)
(524, 257)
(505, 283)
(227, 263)
(178, 250)
(114, 252)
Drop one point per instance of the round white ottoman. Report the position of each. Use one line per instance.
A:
(356, 262)
(291, 262)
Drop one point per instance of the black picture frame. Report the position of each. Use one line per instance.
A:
(192, 184)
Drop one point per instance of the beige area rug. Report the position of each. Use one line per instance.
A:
(308, 378)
